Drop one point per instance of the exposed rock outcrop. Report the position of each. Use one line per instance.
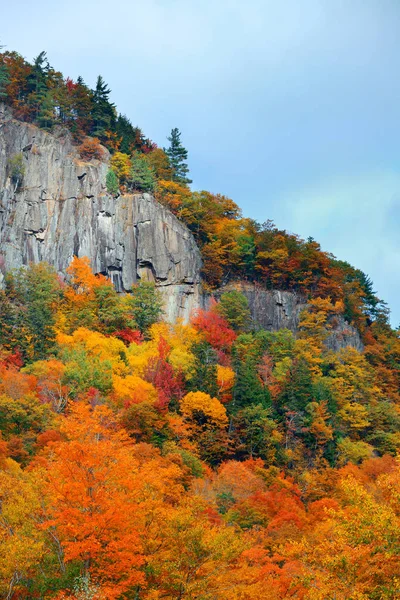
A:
(274, 309)
(61, 208)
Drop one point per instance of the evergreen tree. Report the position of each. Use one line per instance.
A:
(177, 155)
(131, 137)
(234, 307)
(112, 183)
(103, 111)
(205, 376)
(248, 389)
(37, 83)
(82, 107)
(141, 176)
(46, 115)
(146, 303)
(298, 390)
(4, 81)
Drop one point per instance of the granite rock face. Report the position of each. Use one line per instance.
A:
(273, 310)
(61, 208)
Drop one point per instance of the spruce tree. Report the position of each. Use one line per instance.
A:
(204, 378)
(103, 112)
(248, 389)
(141, 176)
(112, 183)
(4, 81)
(177, 155)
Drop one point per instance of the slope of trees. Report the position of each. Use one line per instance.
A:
(212, 461)
(143, 460)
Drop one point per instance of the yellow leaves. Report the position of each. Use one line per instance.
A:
(309, 349)
(353, 451)
(178, 338)
(21, 542)
(355, 415)
(277, 256)
(133, 390)
(96, 344)
(121, 164)
(315, 320)
(225, 381)
(198, 402)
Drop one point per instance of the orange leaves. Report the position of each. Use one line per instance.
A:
(91, 149)
(90, 486)
(82, 280)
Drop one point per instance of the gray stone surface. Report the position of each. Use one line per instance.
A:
(274, 309)
(62, 209)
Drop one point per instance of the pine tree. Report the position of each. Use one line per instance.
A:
(178, 155)
(103, 112)
(112, 183)
(37, 83)
(4, 81)
(46, 114)
(248, 389)
(141, 176)
(204, 378)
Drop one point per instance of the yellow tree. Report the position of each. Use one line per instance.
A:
(22, 544)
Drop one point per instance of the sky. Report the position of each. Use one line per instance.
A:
(289, 107)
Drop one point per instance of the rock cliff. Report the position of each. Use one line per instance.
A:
(61, 208)
(274, 309)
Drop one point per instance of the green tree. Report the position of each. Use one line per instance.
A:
(248, 389)
(35, 291)
(16, 169)
(110, 310)
(204, 378)
(141, 176)
(234, 307)
(298, 388)
(112, 183)
(177, 155)
(254, 433)
(46, 114)
(145, 303)
(103, 111)
(4, 81)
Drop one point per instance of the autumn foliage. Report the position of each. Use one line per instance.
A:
(141, 460)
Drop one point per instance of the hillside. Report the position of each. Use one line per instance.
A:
(192, 405)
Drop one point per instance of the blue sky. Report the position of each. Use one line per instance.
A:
(289, 107)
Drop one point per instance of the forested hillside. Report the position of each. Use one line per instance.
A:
(212, 460)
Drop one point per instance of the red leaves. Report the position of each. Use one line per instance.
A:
(129, 336)
(215, 328)
(161, 374)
